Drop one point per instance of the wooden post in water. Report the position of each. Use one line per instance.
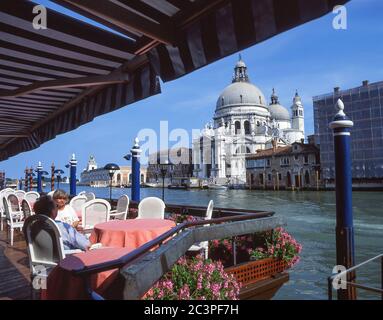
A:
(343, 189)
(52, 176)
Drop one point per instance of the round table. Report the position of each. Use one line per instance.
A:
(131, 233)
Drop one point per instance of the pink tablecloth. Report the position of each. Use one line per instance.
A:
(131, 233)
(62, 284)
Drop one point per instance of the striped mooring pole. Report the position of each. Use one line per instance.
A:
(73, 166)
(341, 126)
(136, 153)
(39, 171)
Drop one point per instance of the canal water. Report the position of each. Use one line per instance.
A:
(310, 218)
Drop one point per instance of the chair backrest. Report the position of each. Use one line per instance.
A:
(26, 208)
(7, 212)
(151, 208)
(44, 242)
(122, 207)
(94, 212)
(50, 193)
(20, 194)
(209, 210)
(77, 203)
(89, 196)
(82, 193)
(13, 203)
(31, 197)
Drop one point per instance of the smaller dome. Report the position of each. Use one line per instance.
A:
(277, 111)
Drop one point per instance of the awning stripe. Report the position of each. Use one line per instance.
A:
(252, 20)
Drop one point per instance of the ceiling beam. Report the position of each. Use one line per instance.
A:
(114, 77)
(124, 19)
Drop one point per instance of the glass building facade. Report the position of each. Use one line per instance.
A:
(364, 106)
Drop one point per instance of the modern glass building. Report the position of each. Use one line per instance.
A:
(364, 105)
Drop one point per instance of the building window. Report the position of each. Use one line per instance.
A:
(247, 127)
(279, 176)
(237, 127)
(306, 159)
(258, 123)
(268, 162)
(296, 157)
(269, 177)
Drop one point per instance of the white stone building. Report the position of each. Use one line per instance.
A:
(243, 123)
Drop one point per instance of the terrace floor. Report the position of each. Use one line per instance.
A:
(14, 268)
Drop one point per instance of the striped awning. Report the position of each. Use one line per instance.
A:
(54, 80)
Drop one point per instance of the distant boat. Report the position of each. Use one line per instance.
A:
(217, 186)
(151, 185)
(178, 186)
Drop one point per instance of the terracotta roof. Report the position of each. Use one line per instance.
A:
(282, 151)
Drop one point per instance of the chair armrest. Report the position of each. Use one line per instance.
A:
(113, 212)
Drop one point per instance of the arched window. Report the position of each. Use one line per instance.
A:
(307, 178)
(237, 127)
(247, 127)
(258, 123)
(241, 96)
(222, 101)
(247, 150)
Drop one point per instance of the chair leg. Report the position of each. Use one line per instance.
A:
(11, 236)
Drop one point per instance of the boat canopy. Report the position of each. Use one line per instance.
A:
(56, 79)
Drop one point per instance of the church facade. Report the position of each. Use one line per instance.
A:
(243, 123)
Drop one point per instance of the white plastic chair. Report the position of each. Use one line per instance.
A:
(94, 212)
(26, 209)
(44, 243)
(204, 245)
(82, 193)
(20, 194)
(11, 220)
(4, 194)
(14, 207)
(31, 197)
(89, 196)
(151, 208)
(77, 203)
(50, 193)
(122, 208)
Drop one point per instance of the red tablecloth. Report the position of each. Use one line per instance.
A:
(62, 284)
(131, 233)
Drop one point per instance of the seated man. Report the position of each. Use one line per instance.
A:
(72, 239)
(65, 212)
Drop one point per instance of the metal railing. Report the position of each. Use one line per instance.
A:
(338, 278)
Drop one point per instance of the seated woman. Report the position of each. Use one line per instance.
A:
(65, 212)
(72, 239)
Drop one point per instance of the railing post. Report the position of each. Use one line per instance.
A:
(343, 188)
(39, 170)
(234, 246)
(73, 166)
(136, 153)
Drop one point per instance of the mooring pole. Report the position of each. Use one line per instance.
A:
(73, 166)
(26, 179)
(39, 171)
(52, 176)
(136, 153)
(341, 127)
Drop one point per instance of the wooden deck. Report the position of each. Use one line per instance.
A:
(14, 268)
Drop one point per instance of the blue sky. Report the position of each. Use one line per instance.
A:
(313, 58)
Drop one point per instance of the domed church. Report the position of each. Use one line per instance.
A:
(243, 123)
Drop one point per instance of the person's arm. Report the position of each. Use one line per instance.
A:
(78, 240)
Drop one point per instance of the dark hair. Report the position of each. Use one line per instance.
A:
(60, 194)
(44, 205)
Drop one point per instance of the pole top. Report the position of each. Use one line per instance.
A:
(136, 147)
(73, 161)
(39, 167)
(340, 120)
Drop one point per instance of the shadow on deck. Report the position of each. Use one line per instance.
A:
(14, 268)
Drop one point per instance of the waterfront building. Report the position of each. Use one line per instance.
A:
(295, 166)
(180, 160)
(364, 106)
(99, 177)
(243, 123)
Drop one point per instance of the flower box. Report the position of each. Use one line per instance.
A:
(253, 271)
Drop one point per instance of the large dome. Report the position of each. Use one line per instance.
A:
(240, 93)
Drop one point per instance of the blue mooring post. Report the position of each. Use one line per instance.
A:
(136, 153)
(73, 166)
(39, 170)
(343, 187)
(21, 184)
